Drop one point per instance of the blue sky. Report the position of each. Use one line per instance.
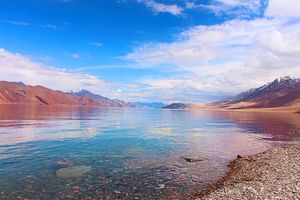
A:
(149, 50)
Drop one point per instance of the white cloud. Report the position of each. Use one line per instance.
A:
(17, 23)
(49, 26)
(173, 89)
(96, 44)
(172, 83)
(160, 7)
(179, 52)
(40, 58)
(75, 55)
(252, 4)
(79, 55)
(230, 57)
(240, 8)
(16, 67)
(283, 8)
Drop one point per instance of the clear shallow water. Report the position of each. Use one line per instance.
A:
(133, 153)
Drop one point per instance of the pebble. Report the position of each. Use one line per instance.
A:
(76, 187)
(160, 186)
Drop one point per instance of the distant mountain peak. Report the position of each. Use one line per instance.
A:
(20, 83)
(87, 93)
(80, 91)
(288, 78)
(176, 106)
(284, 78)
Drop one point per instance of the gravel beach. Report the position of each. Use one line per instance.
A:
(273, 174)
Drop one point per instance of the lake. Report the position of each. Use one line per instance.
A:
(128, 153)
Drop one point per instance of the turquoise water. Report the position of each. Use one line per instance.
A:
(132, 153)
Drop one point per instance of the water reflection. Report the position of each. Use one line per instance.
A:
(132, 152)
(275, 126)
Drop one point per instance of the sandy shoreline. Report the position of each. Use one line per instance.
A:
(273, 174)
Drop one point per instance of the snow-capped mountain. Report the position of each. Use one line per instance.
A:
(280, 92)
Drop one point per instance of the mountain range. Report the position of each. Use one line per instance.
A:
(19, 93)
(280, 93)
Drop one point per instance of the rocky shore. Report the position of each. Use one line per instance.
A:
(274, 174)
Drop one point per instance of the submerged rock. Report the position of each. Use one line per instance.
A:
(72, 172)
(63, 163)
(192, 159)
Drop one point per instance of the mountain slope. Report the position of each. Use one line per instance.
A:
(283, 92)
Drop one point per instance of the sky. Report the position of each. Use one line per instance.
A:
(192, 51)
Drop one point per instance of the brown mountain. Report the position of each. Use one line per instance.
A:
(19, 93)
(283, 92)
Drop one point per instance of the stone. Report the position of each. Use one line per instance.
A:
(160, 186)
(76, 187)
(63, 163)
(72, 172)
(192, 159)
